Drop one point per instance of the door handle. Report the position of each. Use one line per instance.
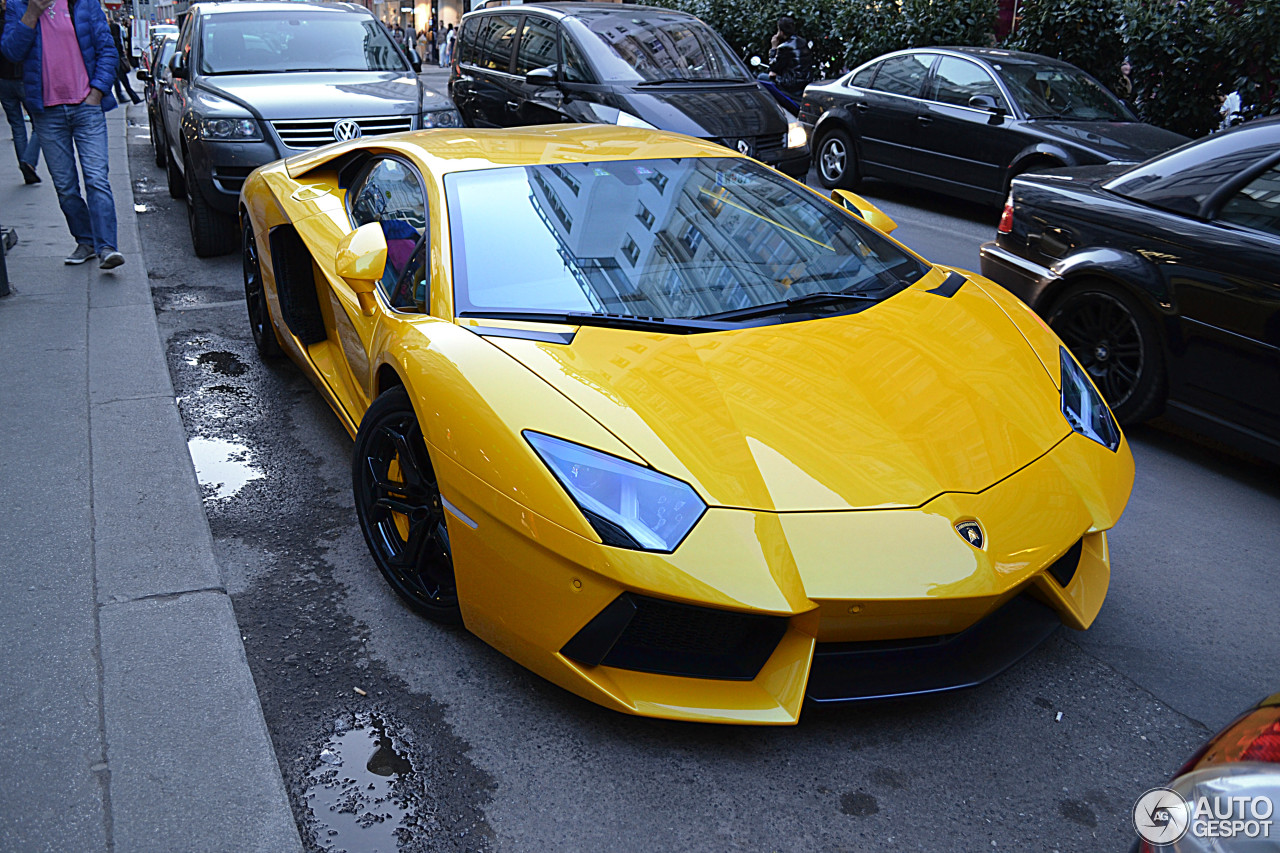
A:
(862, 108)
(513, 105)
(924, 120)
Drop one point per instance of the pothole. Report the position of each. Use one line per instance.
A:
(353, 798)
(226, 363)
(222, 466)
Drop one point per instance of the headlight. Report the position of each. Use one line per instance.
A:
(630, 506)
(441, 118)
(1083, 407)
(230, 129)
(797, 136)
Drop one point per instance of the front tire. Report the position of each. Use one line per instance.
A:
(255, 295)
(177, 186)
(400, 508)
(212, 231)
(157, 141)
(1116, 342)
(837, 162)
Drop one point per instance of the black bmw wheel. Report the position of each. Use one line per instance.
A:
(255, 296)
(837, 162)
(400, 508)
(1115, 341)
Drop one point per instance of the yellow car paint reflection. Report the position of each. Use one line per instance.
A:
(837, 456)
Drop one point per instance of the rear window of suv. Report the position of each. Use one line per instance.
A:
(268, 42)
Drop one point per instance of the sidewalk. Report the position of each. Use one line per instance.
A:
(129, 720)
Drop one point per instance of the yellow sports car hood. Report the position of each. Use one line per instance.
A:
(889, 407)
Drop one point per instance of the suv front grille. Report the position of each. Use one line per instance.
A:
(303, 134)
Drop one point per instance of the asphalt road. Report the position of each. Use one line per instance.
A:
(482, 755)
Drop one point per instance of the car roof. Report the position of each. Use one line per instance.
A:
(584, 10)
(995, 54)
(294, 6)
(472, 149)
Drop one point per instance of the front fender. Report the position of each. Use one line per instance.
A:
(1127, 269)
(836, 117)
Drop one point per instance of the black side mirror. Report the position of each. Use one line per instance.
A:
(178, 68)
(416, 62)
(986, 102)
(541, 77)
(142, 75)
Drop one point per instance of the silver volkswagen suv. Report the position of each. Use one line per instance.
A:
(253, 81)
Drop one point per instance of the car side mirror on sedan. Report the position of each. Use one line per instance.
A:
(541, 77)
(178, 68)
(143, 75)
(859, 206)
(360, 260)
(990, 104)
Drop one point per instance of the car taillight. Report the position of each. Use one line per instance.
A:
(1006, 218)
(1253, 737)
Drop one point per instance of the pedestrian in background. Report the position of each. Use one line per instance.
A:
(69, 64)
(11, 96)
(124, 68)
(789, 58)
(447, 58)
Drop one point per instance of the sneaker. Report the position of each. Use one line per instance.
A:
(81, 254)
(29, 173)
(111, 260)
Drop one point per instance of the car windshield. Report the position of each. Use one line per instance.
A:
(265, 42)
(658, 48)
(1059, 91)
(674, 239)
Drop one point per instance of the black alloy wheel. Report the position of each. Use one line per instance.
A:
(837, 163)
(255, 294)
(1116, 342)
(400, 509)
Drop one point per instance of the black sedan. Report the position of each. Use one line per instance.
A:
(964, 120)
(1162, 279)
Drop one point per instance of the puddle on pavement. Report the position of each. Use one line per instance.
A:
(353, 798)
(219, 361)
(222, 465)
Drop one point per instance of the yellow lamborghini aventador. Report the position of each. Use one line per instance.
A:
(673, 430)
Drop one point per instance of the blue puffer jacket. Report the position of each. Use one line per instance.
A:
(22, 45)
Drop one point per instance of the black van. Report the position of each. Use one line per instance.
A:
(606, 63)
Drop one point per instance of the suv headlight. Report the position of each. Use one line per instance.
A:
(797, 136)
(1083, 406)
(441, 118)
(230, 129)
(628, 505)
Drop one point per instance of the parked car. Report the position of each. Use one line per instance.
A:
(964, 120)
(634, 66)
(1224, 798)
(674, 431)
(155, 76)
(256, 80)
(1162, 279)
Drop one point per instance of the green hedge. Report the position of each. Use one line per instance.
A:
(1184, 54)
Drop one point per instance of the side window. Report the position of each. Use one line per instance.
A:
(537, 45)
(902, 75)
(958, 80)
(494, 40)
(1256, 206)
(466, 41)
(575, 68)
(391, 195)
(185, 38)
(863, 78)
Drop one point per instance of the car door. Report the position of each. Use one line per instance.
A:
(886, 115)
(963, 147)
(1230, 300)
(389, 192)
(485, 84)
(173, 94)
(539, 47)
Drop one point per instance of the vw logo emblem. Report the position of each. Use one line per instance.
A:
(346, 129)
(971, 532)
(744, 147)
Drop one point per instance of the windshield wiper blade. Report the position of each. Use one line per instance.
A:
(665, 80)
(670, 325)
(795, 304)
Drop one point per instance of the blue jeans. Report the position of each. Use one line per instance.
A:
(27, 149)
(66, 131)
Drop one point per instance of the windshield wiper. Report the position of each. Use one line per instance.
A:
(666, 80)
(670, 325)
(795, 304)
